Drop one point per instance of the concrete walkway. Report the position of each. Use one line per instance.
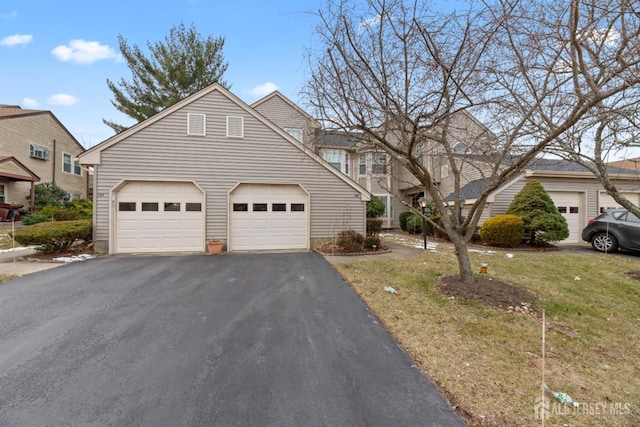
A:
(13, 263)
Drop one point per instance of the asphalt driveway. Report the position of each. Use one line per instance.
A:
(231, 340)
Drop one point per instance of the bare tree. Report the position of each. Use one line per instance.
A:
(406, 76)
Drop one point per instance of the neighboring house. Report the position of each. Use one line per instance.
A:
(212, 167)
(36, 147)
(288, 116)
(575, 191)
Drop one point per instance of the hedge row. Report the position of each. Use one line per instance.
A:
(54, 236)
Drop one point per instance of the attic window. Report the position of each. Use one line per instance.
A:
(196, 124)
(296, 133)
(235, 127)
(38, 152)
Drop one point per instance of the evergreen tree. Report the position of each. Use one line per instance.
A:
(175, 69)
(542, 221)
(375, 207)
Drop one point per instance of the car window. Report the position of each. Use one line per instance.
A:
(619, 215)
(632, 218)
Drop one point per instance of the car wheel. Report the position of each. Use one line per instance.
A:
(603, 242)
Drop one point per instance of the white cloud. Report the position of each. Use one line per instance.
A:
(16, 39)
(62, 99)
(30, 103)
(10, 15)
(263, 89)
(84, 52)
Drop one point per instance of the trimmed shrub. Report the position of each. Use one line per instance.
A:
(414, 224)
(374, 226)
(404, 216)
(370, 241)
(35, 219)
(542, 221)
(82, 207)
(350, 240)
(375, 207)
(54, 236)
(503, 230)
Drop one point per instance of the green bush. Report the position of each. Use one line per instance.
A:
(414, 224)
(503, 230)
(374, 226)
(48, 193)
(404, 216)
(370, 241)
(542, 221)
(35, 219)
(82, 207)
(350, 240)
(375, 207)
(54, 236)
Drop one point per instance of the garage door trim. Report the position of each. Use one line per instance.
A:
(113, 200)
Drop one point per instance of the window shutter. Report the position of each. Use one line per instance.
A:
(235, 127)
(196, 124)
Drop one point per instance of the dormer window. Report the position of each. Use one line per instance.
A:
(296, 133)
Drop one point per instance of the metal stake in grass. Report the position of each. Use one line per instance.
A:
(543, 380)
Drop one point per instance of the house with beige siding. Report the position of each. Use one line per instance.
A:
(575, 191)
(213, 167)
(36, 147)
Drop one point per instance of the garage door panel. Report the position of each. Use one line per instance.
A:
(271, 229)
(570, 206)
(157, 230)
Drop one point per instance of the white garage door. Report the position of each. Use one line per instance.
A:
(159, 217)
(268, 217)
(570, 206)
(605, 201)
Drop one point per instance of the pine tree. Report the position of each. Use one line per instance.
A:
(176, 68)
(542, 221)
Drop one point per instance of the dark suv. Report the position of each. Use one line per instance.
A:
(613, 229)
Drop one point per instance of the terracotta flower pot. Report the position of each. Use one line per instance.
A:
(214, 246)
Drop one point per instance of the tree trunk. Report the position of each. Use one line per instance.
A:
(462, 253)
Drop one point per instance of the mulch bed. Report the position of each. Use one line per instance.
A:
(76, 249)
(491, 292)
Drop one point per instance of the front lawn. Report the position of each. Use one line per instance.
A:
(487, 360)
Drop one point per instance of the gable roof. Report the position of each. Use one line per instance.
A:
(277, 94)
(326, 139)
(93, 155)
(8, 112)
(12, 168)
(633, 164)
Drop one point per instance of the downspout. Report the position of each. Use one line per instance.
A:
(53, 175)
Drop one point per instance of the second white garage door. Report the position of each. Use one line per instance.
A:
(268, 217)
(605, 201)
(570, 206)
(159, 217)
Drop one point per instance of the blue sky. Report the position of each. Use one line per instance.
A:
(57, 55)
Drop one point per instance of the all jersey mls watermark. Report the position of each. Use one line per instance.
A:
(548, 408)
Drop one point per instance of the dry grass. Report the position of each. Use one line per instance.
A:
(488, 361)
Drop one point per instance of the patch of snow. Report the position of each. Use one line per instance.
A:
(483, 252)
(19, 248)
(73, 258)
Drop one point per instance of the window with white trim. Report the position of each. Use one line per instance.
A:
(379, 164)
(38, 152)
(444, 171)
(339, 159)
(362, 164)
(196, 124)
(3, 193)
(420, 153)
(296, 133)
(71, 165)
(387, 199)
(235, 127)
